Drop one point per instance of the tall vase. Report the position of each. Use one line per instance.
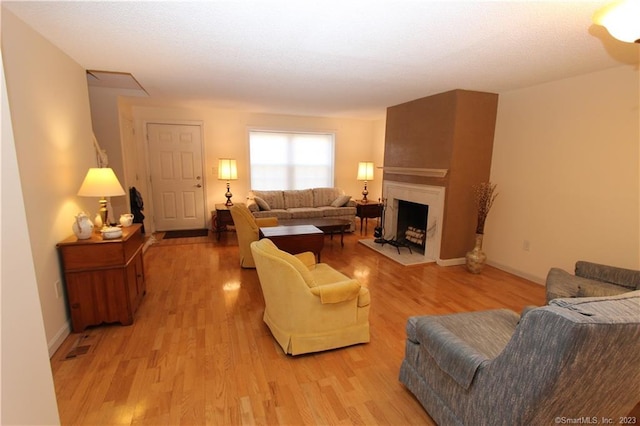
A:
(476, 257)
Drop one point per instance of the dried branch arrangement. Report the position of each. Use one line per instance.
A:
(484, 196)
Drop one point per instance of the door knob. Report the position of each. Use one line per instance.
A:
(198, 186)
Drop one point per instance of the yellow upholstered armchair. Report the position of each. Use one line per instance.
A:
(309, 306)
(247, 231)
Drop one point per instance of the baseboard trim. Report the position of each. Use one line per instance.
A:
(57, 340)
(451, 262)
(505, 268)
(517, 272)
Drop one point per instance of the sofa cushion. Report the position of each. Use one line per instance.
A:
(341, 201)
(281, 214)
(329, 211)
(275, 199)
(325, 274)
(298, 198)
(325, 196)
(262, 204)
(304, 212)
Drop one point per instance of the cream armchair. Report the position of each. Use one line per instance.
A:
(247, 231)
(309, 306)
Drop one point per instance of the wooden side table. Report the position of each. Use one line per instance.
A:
(366, 211)
(104, 279)
(220, 219)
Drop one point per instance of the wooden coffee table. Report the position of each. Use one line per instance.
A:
(295, 239)
(326, 225)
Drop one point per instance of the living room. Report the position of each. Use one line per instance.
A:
(565, 159)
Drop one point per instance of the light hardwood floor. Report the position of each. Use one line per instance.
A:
(198, 352)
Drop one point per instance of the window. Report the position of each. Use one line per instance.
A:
(281, 160)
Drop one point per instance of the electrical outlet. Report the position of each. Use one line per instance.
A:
(58, 287)
(526, 245)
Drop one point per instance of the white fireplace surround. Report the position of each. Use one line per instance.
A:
(432, 196)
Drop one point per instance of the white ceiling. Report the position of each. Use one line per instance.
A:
(329, 58)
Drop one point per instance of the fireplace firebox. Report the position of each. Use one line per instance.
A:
(412, 224)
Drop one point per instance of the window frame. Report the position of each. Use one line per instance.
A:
(331, 134)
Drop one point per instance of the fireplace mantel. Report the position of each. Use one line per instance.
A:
(415, 171)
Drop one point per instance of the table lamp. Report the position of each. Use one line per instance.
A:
(227, 170)
(103, 183)
(365, 173)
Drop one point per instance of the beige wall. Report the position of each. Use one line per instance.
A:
(225, 134)
(49, 104)
(106, 123)
(25, 363)
(566, 161)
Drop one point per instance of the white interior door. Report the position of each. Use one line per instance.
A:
(177, 186)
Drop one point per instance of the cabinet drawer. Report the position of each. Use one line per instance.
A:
(82, 257)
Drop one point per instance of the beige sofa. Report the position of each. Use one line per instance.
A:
(309, 204)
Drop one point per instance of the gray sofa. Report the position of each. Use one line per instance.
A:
(572, 359)
(313, 203)
(591, 280)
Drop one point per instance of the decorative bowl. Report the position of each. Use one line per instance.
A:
(111, 232)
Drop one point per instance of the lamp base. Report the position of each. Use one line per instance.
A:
(104, 214)
(364, 194)
(228, 195)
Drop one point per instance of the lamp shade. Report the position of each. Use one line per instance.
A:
(365, 170)
(621, 19)
(227, 169)
(100, 182)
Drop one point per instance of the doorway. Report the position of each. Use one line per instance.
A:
(177, 184)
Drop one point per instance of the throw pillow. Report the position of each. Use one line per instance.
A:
(262, 203)
(341, 201)
(252, 205)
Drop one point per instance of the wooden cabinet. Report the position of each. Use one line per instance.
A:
(104, 279)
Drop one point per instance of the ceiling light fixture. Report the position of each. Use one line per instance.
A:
(621, 18)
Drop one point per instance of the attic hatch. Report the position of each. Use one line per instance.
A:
(113, 80)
